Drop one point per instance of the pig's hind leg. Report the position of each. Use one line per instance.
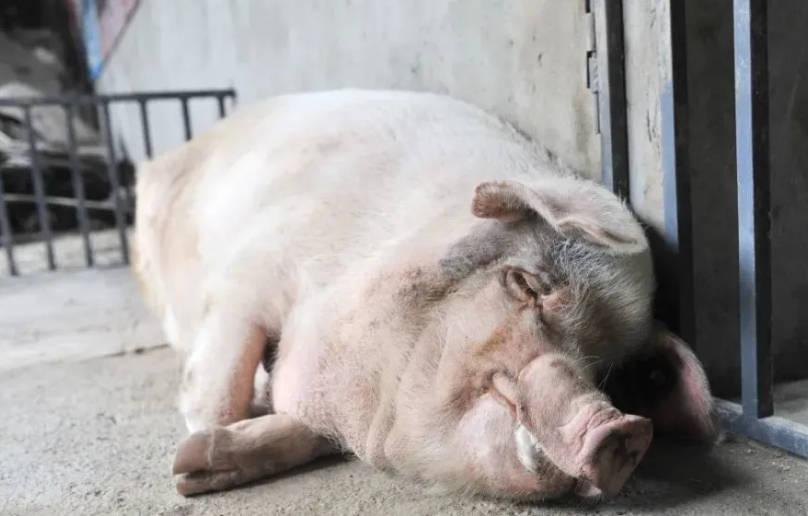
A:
(220, 373)
(225, 457)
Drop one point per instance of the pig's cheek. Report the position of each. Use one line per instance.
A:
(485, 430)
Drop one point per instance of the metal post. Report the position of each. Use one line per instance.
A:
(112, 170)
(676, 182)
(78, 184)
(186, 118)
(39, 189)
(144, 123)
(612, 98)
(754, 248)
(220, 99)
(5, 227)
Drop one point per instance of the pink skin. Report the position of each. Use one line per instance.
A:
(578, 442)
(446, 346)
(577, 427)
(474, 382)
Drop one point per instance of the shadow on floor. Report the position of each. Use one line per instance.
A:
(671, 474)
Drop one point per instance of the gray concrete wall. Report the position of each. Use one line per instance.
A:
(521, 59)
(647, 70)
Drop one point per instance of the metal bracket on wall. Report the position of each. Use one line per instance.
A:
(592, 80)
(605, 78)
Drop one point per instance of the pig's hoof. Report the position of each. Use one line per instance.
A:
(201, 465)
(611, 451)
(199, 482)
(194, 453)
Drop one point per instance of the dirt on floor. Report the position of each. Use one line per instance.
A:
(98, 437)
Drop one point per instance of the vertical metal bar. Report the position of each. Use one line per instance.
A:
(220, 99)
(754, 249)
(186, 118)
(5, 227)
(39, 189)
(678, 233)
(144, 123)
(112, 170)
(612, 98)
(78, 184)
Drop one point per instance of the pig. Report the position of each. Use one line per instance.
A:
(406, 278)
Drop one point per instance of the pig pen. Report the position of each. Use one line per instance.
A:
(77, 344)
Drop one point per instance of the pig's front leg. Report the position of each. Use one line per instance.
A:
(565, 418)
(225, 457)
(217, 383)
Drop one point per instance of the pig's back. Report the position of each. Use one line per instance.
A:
(304, 185)
(345, 172)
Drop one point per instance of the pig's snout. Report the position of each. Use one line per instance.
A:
(611, 448)
(565, 418)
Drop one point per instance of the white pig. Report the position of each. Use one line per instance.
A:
(431, 293)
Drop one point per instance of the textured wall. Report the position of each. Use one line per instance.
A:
(647, 70)
(523, 60)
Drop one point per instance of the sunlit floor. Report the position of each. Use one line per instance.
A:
(68, 252)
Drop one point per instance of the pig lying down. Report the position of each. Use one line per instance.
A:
(404, 277)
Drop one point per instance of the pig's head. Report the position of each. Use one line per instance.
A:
(553, 286)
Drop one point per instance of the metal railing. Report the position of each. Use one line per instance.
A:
(71, 104)
(754, 415)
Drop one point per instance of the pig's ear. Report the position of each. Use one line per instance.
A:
(666, 383)
(573, 207)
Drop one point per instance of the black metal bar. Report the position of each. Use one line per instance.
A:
(612, 95)
(754, 247)
(39, 189)
(220, 100)
(772, 430)
(5, 227)
(112, 170)
(117, 97)
(186, 118)
(78, 185)
(144, 123)
(678, 231)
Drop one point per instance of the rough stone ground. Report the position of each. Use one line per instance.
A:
(97, 437)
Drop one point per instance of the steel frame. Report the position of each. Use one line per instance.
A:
(70, 104)
(753, 417)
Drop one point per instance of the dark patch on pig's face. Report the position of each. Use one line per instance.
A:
(640, 383)
(487, 243)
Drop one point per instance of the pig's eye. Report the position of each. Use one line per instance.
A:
(545, 283)
(522, 285)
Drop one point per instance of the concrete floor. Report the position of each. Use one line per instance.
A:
(72, 315)
(68, 253)
(88, 425)
(98, 436)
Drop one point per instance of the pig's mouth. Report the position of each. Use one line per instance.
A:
(599, 448)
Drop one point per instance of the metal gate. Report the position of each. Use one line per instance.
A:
(120, 201)
(754, 415)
